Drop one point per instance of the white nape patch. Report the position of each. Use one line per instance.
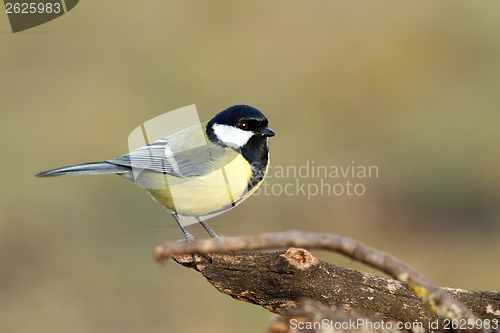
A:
(171, 159)
(231, 135)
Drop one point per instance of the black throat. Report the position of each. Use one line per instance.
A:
(256, 152)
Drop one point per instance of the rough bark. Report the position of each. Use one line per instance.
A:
(297, 285)
(279, 280)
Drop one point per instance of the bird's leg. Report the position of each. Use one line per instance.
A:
(187, 235)
(210, 232)
(207, 228)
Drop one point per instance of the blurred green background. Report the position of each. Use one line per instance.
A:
(411, 87)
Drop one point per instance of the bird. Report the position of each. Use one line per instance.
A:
(202, 170)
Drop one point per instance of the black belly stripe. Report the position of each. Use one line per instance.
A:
(231, 197)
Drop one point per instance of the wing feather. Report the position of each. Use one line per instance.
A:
(160, 157)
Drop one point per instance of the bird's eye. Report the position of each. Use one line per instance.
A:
(242, 125)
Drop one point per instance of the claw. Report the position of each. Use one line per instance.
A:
(195, 256)
(188, 238)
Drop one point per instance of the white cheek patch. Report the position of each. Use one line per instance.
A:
(231, 135)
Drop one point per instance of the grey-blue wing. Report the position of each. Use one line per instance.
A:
(159, 157)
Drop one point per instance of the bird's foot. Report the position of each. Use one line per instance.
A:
(188, 238)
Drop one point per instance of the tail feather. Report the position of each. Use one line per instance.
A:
(95, 168)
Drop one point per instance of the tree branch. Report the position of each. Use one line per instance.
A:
(279, 280)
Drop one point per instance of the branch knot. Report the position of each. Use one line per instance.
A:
(300, 258)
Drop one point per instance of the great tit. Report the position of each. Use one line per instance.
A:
(196, 175)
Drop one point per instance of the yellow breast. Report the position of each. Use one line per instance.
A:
(215, 191)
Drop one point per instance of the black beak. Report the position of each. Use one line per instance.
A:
(267, 132)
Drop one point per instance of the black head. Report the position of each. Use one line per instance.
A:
(237, 125)
(244, 129)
